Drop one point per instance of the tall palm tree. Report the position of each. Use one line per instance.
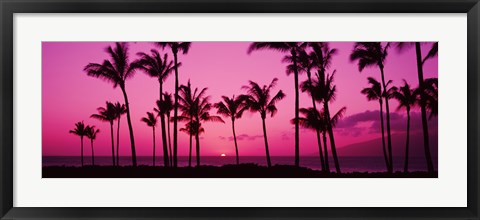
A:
(187, 106)
(197, 107)
(79, 130)
(184, 48)
(421, 84)
(232, 108)
(324, 91)
(293, 48)
(160, 68)
(117, 70)
(107, 114)
(406, 99)
(120, 110)
(151, 121)
(91, 133)
(374, 92)
(259, 99)
(373, 54)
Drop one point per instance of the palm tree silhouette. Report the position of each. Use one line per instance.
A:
(117, 70)
(107, 114)
(312, 119)
(120, 110)
(431, 96)
(191, 128)
(294, 48)
(156, 66)
(373, 54)
(406, 99)
(168, 107)
(79, 130)
(233, 108)
(91, 133)
(184, 48)
(324, 91)
(196, 107)
(421, 84)
(374, 92)
(258, 99)
(151, 121)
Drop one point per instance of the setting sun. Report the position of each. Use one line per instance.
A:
(222, 155)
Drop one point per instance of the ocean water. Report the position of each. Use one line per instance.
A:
(347, 164)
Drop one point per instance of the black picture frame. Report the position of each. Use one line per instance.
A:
(10, 7)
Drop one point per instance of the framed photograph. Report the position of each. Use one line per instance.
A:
(243, 109)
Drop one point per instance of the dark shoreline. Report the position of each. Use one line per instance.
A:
(226, 171)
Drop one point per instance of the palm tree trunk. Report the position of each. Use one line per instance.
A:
(235, 139)
(267, 153)
(408, 141)
(327, 165)
(93, 157)
(383, 138)
(190, 154)
(297, 107)
(175, 112)
(169, 141)
(426, 141)
(332, 140)
(113, 143)
(130, 128)
(81, 149)
(322, 162)
(197, 141)
(387, 109)
(166, 162)
(153, 145)
(118, 139)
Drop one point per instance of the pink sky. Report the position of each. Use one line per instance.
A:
(69, 96)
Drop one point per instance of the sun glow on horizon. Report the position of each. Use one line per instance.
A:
(223, 155)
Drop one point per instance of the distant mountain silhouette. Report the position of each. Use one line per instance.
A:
(374, 147)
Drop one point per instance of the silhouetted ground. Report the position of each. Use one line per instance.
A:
(226, 171)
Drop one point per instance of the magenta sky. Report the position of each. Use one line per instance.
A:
(69, 95)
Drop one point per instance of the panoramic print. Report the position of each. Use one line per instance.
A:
(239, 109)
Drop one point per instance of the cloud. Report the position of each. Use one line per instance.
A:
(241, 137)
(368, 122)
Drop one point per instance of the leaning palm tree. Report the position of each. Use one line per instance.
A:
(151, 121)
(107, 114)
(232, 108)
(293, 48)
(374, 92)
(421, 84)
(91, 133)
(117, 70)
(120, 110)
(373, 54)
(330, 124)
(175, 47)
(258, 99)
(79, 130)
(406, 98)
(160, 68)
